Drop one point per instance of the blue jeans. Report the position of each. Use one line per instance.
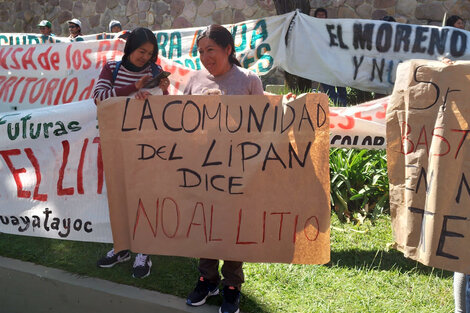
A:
(337, 94)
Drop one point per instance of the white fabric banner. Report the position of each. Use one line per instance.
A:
(257, 42)
(16, 39)
(51, 172)
(52, 180)
(364, 54)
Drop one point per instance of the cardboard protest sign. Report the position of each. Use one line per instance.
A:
(429, 172)
(227, 177)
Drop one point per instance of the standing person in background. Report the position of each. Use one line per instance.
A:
(222, 74)
(115, 26)
(455, 21)
(320, 13)
(337, 94)
(388, 18)
(75, 28)
(121, 79)
(45, 28)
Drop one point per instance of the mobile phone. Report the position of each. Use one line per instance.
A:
(155, 81)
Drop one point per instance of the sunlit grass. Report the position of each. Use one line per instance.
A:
(364, 275)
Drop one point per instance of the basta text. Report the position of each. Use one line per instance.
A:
(414, 137)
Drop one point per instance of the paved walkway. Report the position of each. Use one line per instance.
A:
(31, 288)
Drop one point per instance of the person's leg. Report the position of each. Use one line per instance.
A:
(232, 272)
(342, 96)
(459, 292)
(209, 269)
(207, 284)
(467, 288)
(331, 92)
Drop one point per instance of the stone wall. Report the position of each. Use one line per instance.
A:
(427, 12)
(23, 15)
(95, 15)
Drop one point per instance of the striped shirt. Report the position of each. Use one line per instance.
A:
(124, 84)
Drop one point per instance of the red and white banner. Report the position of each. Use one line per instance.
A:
(61, 71)
(42, 75)
(359, 126)
(52, 180)
(51, 171)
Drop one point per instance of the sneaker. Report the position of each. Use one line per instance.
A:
(142, 265)
(203, 290)
(231, 300)
(112, 258)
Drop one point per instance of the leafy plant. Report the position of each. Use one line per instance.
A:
(356, 96)
(359, 184)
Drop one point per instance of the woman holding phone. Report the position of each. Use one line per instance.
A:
(122, 78)
(136, 69)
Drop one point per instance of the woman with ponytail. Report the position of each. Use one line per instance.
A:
(224, 75)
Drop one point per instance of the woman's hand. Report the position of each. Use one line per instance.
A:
(142, 82)
(291, 95)
(142, 94)
(164, 84)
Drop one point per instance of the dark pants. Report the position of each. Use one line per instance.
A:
(337, 94)
(232, 271)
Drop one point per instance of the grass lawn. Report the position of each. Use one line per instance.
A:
(362, 276)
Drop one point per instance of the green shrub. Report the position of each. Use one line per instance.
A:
(356, 96)
(359, 183)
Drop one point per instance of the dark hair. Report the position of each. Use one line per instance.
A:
(320, 10)
(388, 18)
(137, 38)
(222, 38)
(452, 20)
